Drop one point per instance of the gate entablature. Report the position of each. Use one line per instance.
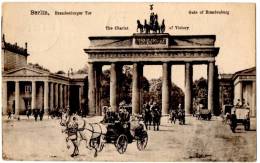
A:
(152, 47)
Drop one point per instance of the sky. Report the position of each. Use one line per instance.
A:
(57, 42)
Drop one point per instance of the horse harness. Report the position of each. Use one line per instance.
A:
(92, 128)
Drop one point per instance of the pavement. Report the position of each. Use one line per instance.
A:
(198, 140)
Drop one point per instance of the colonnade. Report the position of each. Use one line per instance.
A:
(116, 69)
(55, 95)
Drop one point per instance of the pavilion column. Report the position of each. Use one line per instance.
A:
(56, 95)
(17, 99)
(61, 96)
(253, 104)
(136, 89)
(211, 66)
(166, 88)
(65, 96)
(51, 96)
(33, 103)
(80, 97)
(188, 88)
(46, 96)
(4, 97)
(113, 87)
(68, 96)
(91, 89)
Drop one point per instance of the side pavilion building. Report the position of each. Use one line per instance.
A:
(27, 86)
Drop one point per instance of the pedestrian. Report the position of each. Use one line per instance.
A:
(36, 113)
(41, 114)
(238, 104)
(9, 114)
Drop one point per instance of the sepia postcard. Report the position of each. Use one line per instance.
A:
(128, 82)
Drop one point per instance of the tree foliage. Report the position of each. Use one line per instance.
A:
(36, 65)
(155, 93)
(124, 86)
(60, 72)
(200, 91)
(83, 70)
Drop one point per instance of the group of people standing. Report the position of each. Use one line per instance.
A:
(35, 112)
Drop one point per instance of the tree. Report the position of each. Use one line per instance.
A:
(36, 65)
(155, 94)
(83, 70)
(60, 72)
(200, 91)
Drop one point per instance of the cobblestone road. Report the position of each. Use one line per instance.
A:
(198, 140)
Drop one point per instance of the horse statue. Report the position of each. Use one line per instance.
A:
(140, 26)
(162, 27)
(147, 27)
(92, 133)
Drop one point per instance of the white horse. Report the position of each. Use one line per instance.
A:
(92, 133)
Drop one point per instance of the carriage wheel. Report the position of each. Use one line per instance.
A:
(121, 143)
(142, 141)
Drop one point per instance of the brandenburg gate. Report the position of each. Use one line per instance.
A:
(149, 49)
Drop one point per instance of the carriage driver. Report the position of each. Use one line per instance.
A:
(124, 116)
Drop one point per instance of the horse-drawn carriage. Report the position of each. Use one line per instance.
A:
(240, 115)
(202, 112)
(97, 135)
(120, 135)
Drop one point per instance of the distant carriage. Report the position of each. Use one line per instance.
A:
(240, 115)
(202, 111)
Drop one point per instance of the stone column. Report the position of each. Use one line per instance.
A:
(46, 96)
(4, 97)
(68, 96)
(61, 96)
(80, 96)
(51, 95)
(140, 71)
(188, 88)
(91, 89)
(136, 89)
(17, 99)
(166, 88)
(33, 95)
(211, 66)
(113, 87)
(253, 104)
(98, 71)
(65, 96)
(56, 95)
